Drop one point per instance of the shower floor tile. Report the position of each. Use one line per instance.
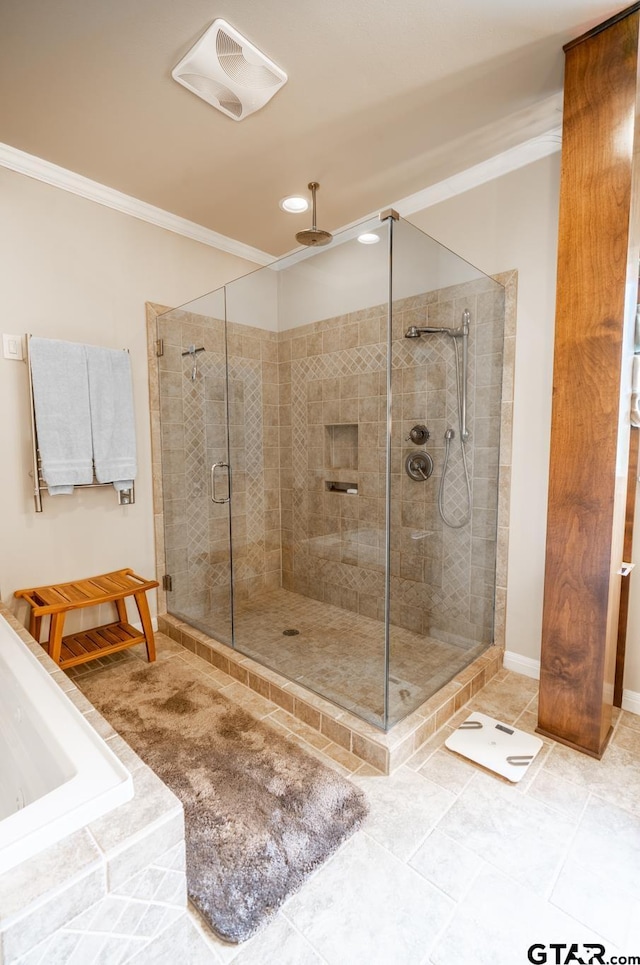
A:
(340, 655)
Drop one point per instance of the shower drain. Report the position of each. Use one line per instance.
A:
(290, 633)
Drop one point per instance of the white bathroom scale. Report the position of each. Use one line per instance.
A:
(496, 746)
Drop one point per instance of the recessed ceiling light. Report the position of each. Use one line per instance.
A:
(368, 238)
(294, 204)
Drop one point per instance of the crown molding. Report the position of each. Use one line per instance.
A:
(507, 161)
(533, 149)
(500, 164)
(58, 177)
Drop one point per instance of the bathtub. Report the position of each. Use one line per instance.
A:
(56, 772)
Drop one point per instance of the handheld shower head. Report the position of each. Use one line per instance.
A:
(193, 352)
(455, 334)
(414, 332)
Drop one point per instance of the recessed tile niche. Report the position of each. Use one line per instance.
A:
(341, 446)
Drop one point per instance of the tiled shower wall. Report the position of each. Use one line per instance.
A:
(307, 408)
(442, 578)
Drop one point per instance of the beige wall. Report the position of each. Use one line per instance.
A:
(75, 270)
(512, 223)
(632, 655)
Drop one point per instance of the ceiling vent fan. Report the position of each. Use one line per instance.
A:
(228, 72)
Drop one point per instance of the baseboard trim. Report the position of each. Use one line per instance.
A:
(138, 626)
(631, 701)
(531, 668)
(519, 664)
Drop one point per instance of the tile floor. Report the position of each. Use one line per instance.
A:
(350, 675)
(455, 866)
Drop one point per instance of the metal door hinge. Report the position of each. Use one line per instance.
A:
(159, 347)
(167, 583)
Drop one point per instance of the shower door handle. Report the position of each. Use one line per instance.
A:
(214, 499)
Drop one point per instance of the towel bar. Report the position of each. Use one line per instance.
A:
(126, 497)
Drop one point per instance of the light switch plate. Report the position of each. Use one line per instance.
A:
(12, 346)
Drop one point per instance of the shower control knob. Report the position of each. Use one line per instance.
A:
(418, 466)
(419, 435)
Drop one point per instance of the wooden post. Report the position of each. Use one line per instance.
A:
(595, 311)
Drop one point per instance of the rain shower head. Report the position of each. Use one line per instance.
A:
(314, 236)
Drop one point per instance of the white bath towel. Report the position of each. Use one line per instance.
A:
(112, 418)
(635, 392)
(61, 399)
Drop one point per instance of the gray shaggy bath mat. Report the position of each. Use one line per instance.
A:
(260, 813)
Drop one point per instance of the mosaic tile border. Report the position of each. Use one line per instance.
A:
(384, 751)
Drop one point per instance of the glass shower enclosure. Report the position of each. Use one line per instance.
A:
(330, 449)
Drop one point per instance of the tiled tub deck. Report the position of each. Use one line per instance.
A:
(116, 887)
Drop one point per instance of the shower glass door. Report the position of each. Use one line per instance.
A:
(308, 355)
(446, 391)
(330, 454)
(194, 401)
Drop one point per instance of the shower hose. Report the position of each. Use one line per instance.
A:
(448, 436)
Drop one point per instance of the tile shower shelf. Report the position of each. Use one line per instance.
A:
(385, 751)
(341, 446)
(335, 486)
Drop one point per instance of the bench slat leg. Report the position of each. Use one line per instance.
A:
(35, 622)
(121, 607)
(147, 628)
(55, 636)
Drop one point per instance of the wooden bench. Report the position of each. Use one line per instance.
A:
(58, 599)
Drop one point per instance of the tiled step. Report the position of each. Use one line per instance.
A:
(384, 751)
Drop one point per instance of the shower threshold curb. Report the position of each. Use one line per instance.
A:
(385, 751)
